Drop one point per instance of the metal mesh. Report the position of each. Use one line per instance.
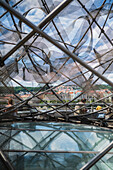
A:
(28, 58)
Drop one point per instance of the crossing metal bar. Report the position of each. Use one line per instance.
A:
(36, 29)
(47, 19)
(15, 5)
(6, 163)
(97, 157)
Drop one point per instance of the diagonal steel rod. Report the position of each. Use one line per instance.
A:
(97, 157)
(83, 6)
(106, 20)
(36, 29)
(5, 161)
(15, 5)
(90, 24)
(47, 19)
(48, 11)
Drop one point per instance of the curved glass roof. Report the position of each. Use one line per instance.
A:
(50, 145)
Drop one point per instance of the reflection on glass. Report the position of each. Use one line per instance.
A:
(52, 145)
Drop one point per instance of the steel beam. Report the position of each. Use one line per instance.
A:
(52, 151)
(36, 29)
(97, 157)
(47, 19)
(5, 161)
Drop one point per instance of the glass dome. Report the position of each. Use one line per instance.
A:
(51, 145)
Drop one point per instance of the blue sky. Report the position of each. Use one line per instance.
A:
(70, 25)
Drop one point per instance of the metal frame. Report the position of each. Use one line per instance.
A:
(97, 157)
(5, 161)
(41, 150)
(47, 19)
(53, 151)
(36, 29)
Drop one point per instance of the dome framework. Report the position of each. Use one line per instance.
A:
(53, 54)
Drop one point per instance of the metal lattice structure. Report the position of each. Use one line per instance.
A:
(43, 145)
(57, 52)
(55, 44)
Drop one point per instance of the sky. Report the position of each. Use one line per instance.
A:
(72, 24)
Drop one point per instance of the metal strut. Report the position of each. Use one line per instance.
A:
(36, 29)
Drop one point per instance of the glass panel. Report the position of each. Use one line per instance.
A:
(59, 145)
(46, 161)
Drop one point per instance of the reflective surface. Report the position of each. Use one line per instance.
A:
(38, 72)
(52, 145)
(83, 27)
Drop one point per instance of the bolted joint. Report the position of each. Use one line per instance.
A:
(93, 19)
(102, 30)
(83, 6)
